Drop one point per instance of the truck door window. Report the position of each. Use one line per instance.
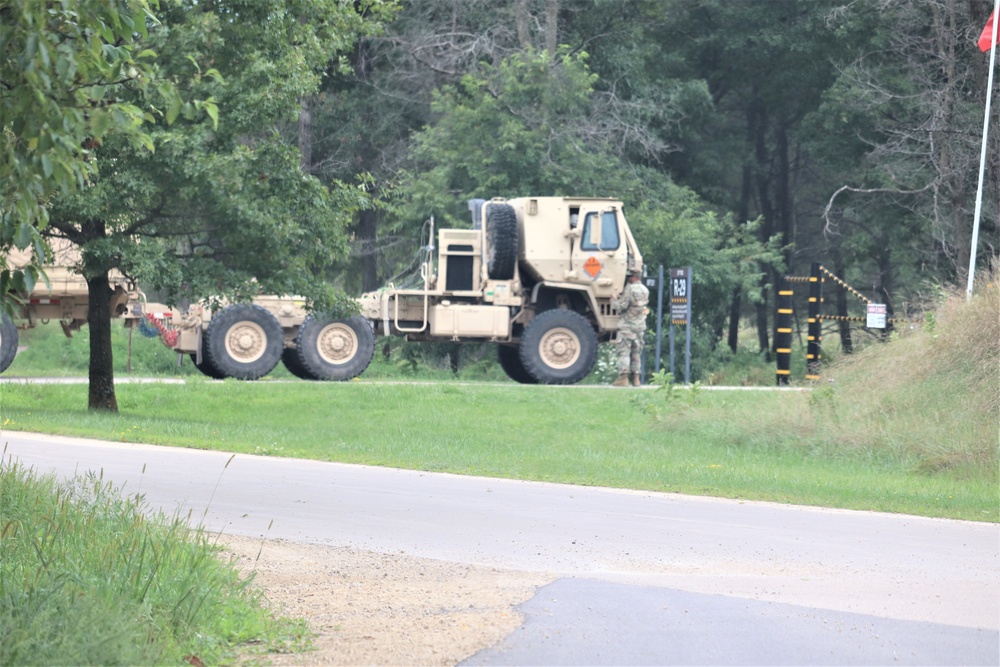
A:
(600, 231)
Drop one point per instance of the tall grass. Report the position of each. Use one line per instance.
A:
(931, 396)
(88, 577)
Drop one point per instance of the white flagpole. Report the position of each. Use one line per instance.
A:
(982, 155)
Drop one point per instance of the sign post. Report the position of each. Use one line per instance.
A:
(680, 314)
(657, 284)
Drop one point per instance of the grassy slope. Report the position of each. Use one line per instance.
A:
(88, 577)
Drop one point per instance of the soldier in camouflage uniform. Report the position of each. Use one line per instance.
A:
(631, 306)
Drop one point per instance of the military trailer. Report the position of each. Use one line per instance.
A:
(534, 275)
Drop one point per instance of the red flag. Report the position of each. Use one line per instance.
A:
(986, 39)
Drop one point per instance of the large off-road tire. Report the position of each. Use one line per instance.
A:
(8, 342)
(208, 371)
(290, 358)
(501, 241)
(510, 362)
(558, 347)
(332, 349)
(243, 341)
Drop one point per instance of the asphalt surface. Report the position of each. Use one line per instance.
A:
(637, 578)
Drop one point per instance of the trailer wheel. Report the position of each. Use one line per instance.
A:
(243, 341)
(335, 349)
(501, 238)
(8, 342)
(290, 359)
(558, 347)
(205, 368)
(510, 362)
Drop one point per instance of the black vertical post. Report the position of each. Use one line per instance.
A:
(659, 317)
(814, 347)
(783, 333)
(687, 327)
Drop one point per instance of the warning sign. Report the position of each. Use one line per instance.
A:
(592, 266)
(876, 316)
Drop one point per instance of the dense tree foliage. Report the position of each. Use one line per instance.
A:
(71, 74)
(220, 207)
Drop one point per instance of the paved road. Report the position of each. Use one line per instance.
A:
(639, 578)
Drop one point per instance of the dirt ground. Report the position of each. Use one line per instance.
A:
(369, 608)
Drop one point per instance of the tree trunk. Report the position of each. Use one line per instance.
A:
(883, 286)
(734, 320)
(743, 214)
(305, 135)
(101, 370)
(763, 338)
(521, 21)
(844, 325)
(368, 247)
(757, 126)
(552, 27)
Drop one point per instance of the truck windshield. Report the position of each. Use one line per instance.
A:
(609, 231)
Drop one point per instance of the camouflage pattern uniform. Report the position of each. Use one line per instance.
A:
(631, 306)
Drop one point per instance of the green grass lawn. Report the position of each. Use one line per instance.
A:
(738, 444)
(910, 425)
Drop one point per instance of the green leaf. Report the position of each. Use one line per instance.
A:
(212, 110)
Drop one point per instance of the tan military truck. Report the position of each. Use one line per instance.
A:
(534, 275)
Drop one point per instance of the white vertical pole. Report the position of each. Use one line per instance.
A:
(982, 155)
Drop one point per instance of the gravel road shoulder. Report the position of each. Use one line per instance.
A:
(369, 608)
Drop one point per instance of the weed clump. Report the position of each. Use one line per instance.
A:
(87, 577)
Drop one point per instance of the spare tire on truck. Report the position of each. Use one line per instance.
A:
(334, 349)
(558, 347)
(501, 241)
(8, 342)
(243, 341)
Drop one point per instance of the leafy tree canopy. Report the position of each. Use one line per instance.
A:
(71, 74)
(222, 208)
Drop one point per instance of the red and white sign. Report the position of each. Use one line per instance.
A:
(876, 316)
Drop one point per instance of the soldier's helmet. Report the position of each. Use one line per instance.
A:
(634, 272)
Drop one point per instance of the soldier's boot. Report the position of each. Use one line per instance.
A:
(621, 381)
(635, 380)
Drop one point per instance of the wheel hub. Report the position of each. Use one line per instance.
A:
(559, 348)
(337, 343)
(246, 342)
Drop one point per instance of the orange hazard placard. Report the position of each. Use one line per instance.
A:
(592, 266)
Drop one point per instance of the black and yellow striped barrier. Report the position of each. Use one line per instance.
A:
(783, 336)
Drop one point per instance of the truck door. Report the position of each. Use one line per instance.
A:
(599, 249)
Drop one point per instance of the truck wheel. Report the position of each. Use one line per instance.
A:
(243, 341)
(501, 241)
(329, 349)
(205, 369)
(559, 347)
(510, 362)
(290, 359)
(8, 342)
